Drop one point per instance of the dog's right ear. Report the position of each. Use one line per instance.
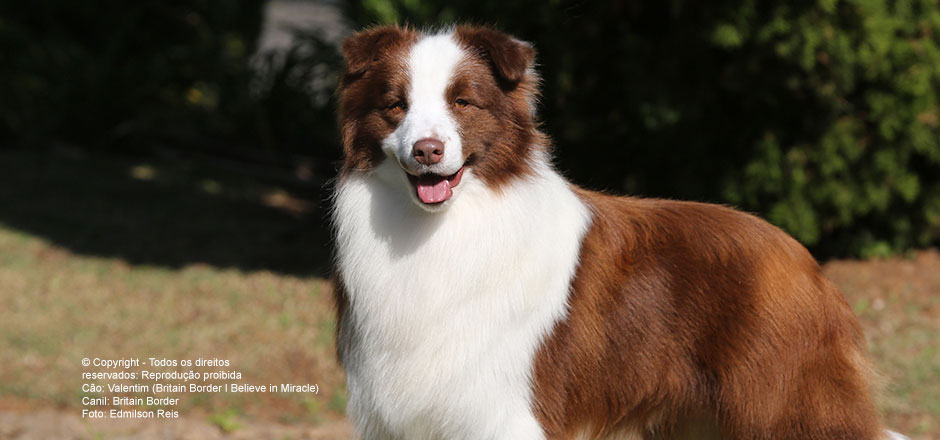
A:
(365, 47)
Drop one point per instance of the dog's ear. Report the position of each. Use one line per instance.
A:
(365, 47)
(510, 59)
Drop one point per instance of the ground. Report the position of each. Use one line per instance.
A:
(114, 256)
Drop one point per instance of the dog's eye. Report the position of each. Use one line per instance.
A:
(398, 106)
(461, 103)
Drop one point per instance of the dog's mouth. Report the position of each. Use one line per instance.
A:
(433, 189)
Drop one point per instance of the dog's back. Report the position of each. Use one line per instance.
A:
(715, 315)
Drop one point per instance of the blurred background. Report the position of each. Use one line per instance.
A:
(165, 168)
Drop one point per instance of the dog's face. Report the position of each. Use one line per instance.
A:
(444, 107)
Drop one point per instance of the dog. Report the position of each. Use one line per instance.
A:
(481, 295)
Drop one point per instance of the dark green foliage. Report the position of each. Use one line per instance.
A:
(121, 73)
(92, 72)
(291, 107)
(821, 116)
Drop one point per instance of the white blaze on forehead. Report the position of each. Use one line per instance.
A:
(431, 65)
(432, 62)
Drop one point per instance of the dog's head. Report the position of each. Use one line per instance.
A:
(445, 106)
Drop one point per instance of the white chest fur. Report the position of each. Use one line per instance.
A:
(447, 309)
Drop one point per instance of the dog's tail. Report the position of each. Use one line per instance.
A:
(891, 435)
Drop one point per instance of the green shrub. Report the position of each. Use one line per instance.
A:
(93, 73)
(116, 73)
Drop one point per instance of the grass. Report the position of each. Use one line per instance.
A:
(898, 303)
(166, 214)
(226, 420)
(101, 259)
(114, 257)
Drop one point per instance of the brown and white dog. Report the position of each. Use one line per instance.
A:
(483, 296)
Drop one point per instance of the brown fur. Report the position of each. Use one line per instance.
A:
(681, 311)
(497, 129)
(510, 59)
(374, 80)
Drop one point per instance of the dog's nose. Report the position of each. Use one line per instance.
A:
(428, 151)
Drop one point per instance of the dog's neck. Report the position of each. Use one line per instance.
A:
(485, 279)
(391, 252)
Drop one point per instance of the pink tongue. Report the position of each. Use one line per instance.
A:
(433, 189)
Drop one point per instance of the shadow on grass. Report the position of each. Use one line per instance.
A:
(162, 213)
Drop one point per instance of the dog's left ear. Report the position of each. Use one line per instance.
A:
(510, 59)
